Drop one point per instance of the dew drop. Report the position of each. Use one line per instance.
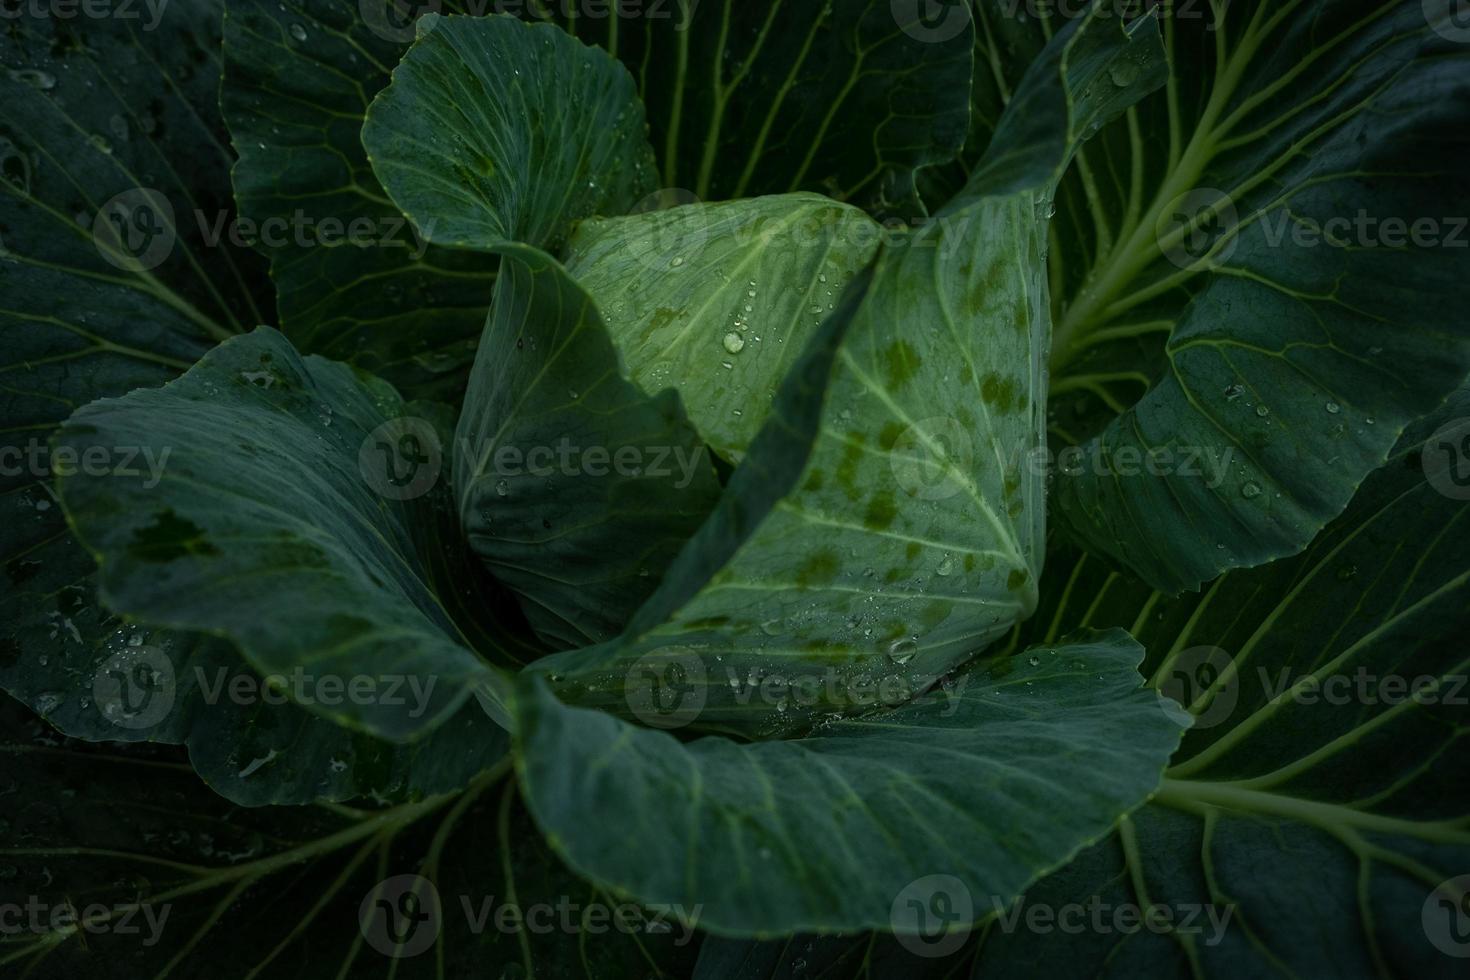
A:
(502, 487)
(1233, 392)
(902, 650)
(298, 32)
(1262, 411)
(1250, 490)
(43, 80)
(1124, 74)
(1333, 408)
(734, 343)
(14, 165)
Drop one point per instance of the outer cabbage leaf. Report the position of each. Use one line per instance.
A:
(497, 131)
(295, 518)
(88, 312)
(1319, 801)
(851, 98)
(990, 783)
(177, 881)
(112, 282)
(354, 281)
(1276, 279)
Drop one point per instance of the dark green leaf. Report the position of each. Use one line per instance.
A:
(173, 881)
(831, 831)
(498, 131)
(295, 516)
(246, 738)
(1320, 799)
(113, 281)
(850, 97)
(298, 80)
(1269, 248)
(575, 487)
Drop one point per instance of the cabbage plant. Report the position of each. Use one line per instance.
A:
(731, 490)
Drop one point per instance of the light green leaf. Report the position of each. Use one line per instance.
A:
(575, 487)
(497, 131)
(886, 523)
(294, 515)
(718, 300)
(1248, 283)
(355, 281)
(1060, 742)
(1320, 799)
